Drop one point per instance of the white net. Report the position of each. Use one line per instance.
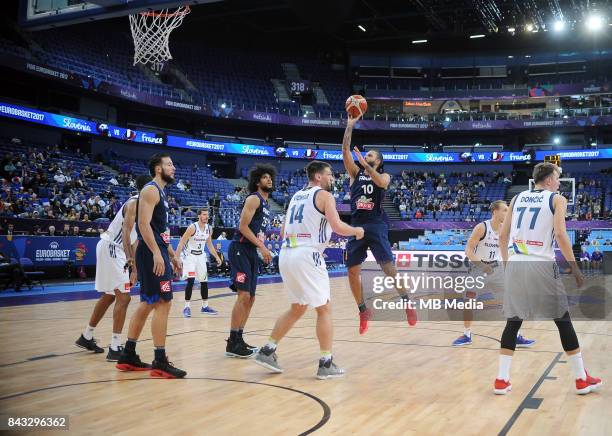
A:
(151, 33)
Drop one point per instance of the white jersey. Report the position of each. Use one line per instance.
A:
(532, 230)
(195, 245)
(114, 233)
(305, 225)
(487, 249)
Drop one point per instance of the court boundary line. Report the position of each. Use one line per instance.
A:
(529, 399)
(324, 419)
(255, 333)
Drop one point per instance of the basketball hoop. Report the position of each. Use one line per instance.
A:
(151, 32)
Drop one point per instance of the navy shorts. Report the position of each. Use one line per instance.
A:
(152, 287)
(376, 238)
(244, 267)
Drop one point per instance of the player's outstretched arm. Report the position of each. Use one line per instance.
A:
(326, 203)
(563, 241)
(129, 219)
(347, 157)
(477, 234)
(149, 197)
(380, 180)
(189, 232)
(212, 250)
(504, 233)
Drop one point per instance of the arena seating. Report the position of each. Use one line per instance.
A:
(216, 76)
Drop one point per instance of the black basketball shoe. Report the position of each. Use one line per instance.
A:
(113, 355)
(238, 348)
(165, 369)
(131, 362)
(88, 344)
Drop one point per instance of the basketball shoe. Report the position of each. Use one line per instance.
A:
(364, 317)
(589, 385)
(89, 344)
(502, 387)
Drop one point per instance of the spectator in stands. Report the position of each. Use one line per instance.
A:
(402, 209)
(95, 213)
(418, 214)
(72, 215)
(189, 213)
(222, 236)
(180, 185)
(15, 271)
(52, 231)
(395, 246)
(596, 259)
(347, 198)
(216, 201)
(608, 242)
(585, 259)
(10, 230)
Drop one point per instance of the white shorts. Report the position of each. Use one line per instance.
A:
(194, 266)
(110, 268)
(304, 276)
(534, 289)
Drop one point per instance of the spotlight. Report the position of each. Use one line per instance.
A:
(223, 105)
(511, 29)
(510, 57)
(559, 26)
(363, 29)
(529, 27)
(477, 36)
(594, 23)
(557, 140)
(419, 41)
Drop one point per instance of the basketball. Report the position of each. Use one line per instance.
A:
(356, 105)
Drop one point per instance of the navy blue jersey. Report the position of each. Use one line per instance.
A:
(159, 219)
(366, 200)
(259, 223)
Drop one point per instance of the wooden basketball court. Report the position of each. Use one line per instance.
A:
(400, 380)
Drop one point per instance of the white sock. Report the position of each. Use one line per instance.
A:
(467, 332)
(504, 367)
(88, 332)
(578, 366)
(187, 303)
(518, 333)
(271, 345)
(204, 303)
(115, 341)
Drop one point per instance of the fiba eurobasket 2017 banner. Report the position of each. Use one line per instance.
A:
(440, 285)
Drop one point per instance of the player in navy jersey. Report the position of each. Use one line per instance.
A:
(243, 257)
(156, 262)
(115, 274)
(368, 183)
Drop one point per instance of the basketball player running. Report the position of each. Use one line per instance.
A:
(305, 235)
(482, 250)
(155, 262)
(243, 256)
(191, 247)
(536, 219)
(114, 260)
(368, 185)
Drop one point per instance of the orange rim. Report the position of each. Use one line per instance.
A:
(166, 14)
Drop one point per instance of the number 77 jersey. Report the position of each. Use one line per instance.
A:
(305, 225)
(532, 230)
